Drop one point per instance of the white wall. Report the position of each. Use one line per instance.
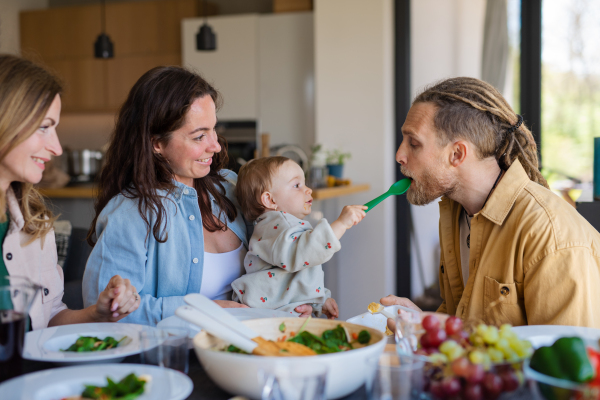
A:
(9, 22)
(354, 110)
(446, 41)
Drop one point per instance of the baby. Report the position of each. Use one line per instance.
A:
(283, 263)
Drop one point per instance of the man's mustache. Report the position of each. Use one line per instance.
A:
(405, 172)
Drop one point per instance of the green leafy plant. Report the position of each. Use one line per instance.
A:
(337, 157)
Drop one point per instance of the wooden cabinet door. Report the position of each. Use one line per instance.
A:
(84, 82)
(147, 27)
(123, 72)
(59, 33)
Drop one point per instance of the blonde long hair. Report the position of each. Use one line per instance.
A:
(26, 93)
(472, 109)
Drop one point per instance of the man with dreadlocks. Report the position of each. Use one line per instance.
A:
(511, 250)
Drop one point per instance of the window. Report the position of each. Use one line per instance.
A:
(570, 89)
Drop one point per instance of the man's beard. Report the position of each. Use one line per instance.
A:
(435, 182)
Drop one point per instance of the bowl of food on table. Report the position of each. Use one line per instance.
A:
(343, 347)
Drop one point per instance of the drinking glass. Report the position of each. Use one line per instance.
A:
(16, 297)
(408, 324)
(394, 378)
(294, 382)
(167, 347)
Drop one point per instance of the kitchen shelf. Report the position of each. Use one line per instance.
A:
(70, 192)
(89, 192)
(337, 191)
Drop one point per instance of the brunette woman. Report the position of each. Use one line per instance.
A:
(166, 215)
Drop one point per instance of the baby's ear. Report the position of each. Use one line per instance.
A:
(267, 201)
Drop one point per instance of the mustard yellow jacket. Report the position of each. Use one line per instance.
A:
(534, 259)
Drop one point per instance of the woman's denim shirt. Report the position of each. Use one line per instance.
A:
(161, 272)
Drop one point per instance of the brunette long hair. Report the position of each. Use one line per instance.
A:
(474, 110)
(26, 93)
(156, 106)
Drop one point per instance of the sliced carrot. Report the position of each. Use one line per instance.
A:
(354, 335)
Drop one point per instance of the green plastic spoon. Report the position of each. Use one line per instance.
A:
(399, 187)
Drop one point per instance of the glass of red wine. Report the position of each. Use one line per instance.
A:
(16, 297)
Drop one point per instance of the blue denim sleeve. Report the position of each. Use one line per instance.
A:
(122, 248)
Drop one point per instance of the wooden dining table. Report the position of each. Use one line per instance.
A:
(204, 387)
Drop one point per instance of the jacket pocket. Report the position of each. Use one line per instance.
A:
(503, 303)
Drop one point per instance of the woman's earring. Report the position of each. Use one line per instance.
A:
(275, 207)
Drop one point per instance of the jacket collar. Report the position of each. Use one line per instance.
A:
(16, 216)
(503, 198)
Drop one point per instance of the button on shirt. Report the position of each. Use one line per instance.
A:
(162, 272)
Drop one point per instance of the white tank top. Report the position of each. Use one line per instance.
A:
(220, 269)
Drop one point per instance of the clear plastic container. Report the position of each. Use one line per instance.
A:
(544, 387)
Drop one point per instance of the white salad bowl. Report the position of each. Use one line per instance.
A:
(239, 374)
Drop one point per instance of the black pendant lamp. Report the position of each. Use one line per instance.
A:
(206, 39)
(103, 48)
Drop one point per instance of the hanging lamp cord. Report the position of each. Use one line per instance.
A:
(102, 16)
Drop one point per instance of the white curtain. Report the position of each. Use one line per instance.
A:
(495, 53)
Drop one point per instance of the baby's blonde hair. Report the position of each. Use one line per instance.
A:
(253, 180)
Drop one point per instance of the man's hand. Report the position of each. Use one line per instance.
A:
(305, 310)
(330, 308)
(392, 300)
(118, 300)
(230, 304)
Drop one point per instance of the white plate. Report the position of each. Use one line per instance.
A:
(240, 313)
(545, 335)
(57, 383)
(46, 344)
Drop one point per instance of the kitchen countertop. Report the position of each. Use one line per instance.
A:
(89, 191)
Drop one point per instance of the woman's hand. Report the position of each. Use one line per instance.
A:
(119, 299)
(305, 310)
(230, 304)
(330, 308)
(392, 300)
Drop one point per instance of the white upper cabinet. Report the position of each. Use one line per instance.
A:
(233, 67)
(264, 67)
(286, 78)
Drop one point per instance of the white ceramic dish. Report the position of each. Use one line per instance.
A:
(546, 335)
(239, 373)
(58, 383)
(46, 344)
(240, 313)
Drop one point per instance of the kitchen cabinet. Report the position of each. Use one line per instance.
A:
(233, 67)
(84, 81)
(264, 68)
(123, 72)
(60, 33)
(145, 34)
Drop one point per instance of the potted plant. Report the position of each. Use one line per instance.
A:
(335, 162)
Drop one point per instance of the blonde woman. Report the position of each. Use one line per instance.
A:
(29, 113)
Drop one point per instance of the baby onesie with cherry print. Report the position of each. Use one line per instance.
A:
(283, 263)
